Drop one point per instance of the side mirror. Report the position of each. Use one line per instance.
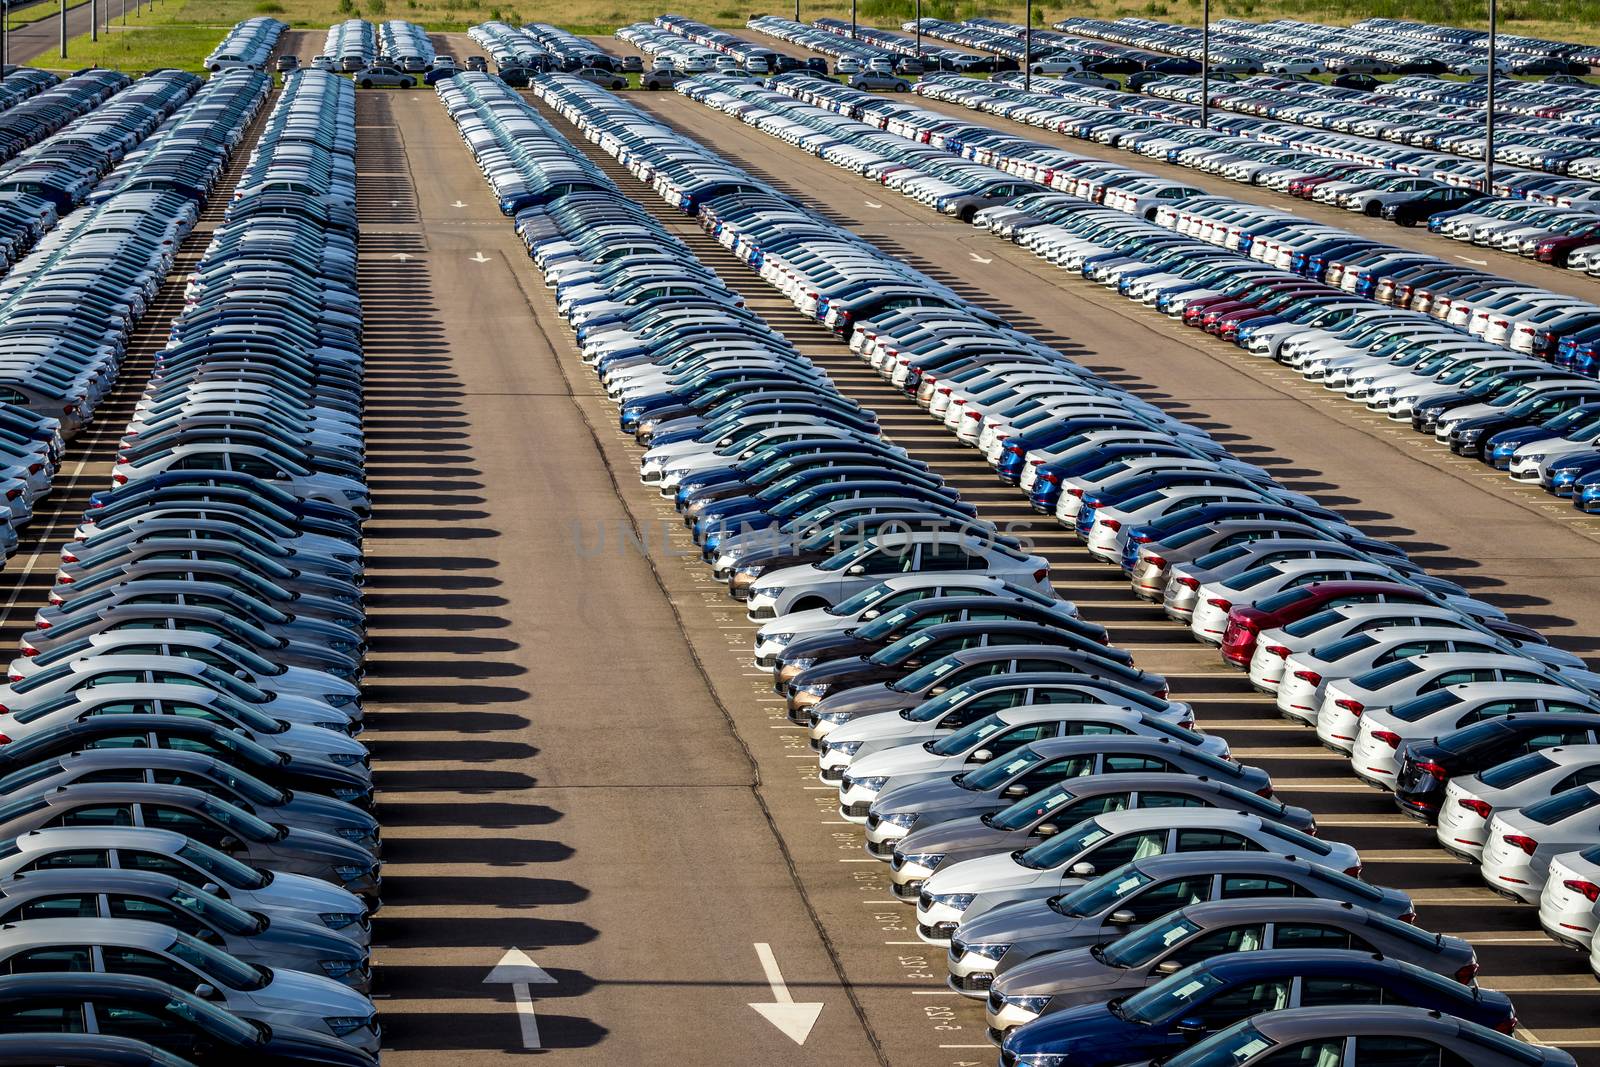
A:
(857, 569)
(1081, 870)
(936, 690)
(1191, 1029)
(870, 613)
(1124, 917)
(1018, 790)
(205, 991)
(1048, 829)
(228, 844)
(983, 755)
(212, 887)
(1168, 967)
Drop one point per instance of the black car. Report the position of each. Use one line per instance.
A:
(125, 1005)
(1419, 209)
(1426, 766)
(477, 63)
(518, 77)
(82, 1050)
(1364, 82)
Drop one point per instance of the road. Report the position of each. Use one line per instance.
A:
(641, 824)
(43, 38)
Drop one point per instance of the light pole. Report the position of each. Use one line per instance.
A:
(94, 20)
(852, 19)
(797, 10)
(1027, 47)
(919, 31)
(1488, 124)
(1205, 65)
(63, 29)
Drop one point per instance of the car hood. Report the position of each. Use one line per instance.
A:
(300, 893)
(1074, 977)
(961, 834)
(985, 874)
(921, 796)
(866, 699)
(903, 759)
(1087, 1036)
(302, 993)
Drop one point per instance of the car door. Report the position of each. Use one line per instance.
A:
(1245, 937)
(1228, 1006)
(1109, 855)
(1315, 935)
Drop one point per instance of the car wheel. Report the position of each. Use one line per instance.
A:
(366, 85)
(902, 88)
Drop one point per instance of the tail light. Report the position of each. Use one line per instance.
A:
(1355, 707)
(1467, 972)
(977, 415)
(1076, 491)
(1527, 844)
(40, 626)
(1265, 792)
(1584, 886)
(1052, 478)
(1353, 872)
(1438, 772)
(1408, 917)
(29, 650)
(1111, 524)
(1041, 574)
(4, 740)
(68, 557)
(1222, 605)
(1307, 676)
(1390, 739)
(1015, 450)
(1508, 1027)
(1280, 652)
(14, 677)
(1156, 561)
(120, 479)
(1188, 583)
(1480, 808)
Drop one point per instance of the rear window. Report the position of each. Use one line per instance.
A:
(1423, 706)
(1386, 675)
(1312, 623)
(1250, 578)
(1505, 775)
(1562, 806)
(1279, 601)
(1343, 648)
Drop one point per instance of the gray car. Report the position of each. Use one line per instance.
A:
(877, 79)
(160, 898)
(306, 811)
(982, 830)
(125, 946)
(1060, 980)
(1033, 767)
(662, 78)
(1140, 892)
(224, 826)
(384, 77)
(1356, 1035)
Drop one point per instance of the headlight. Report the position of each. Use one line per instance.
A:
(345, 759)
(349, 872)
(1472, 433)
(348, 793)
(801, 662)
(874, 783)
(770, 591)
(1033, 1004)
(815, 689)
(954, 901)
(992, 951)
(844, 748)
(903, 819)
(777, 639)
(1045, 1059)
(836, 718)
(1537, 457)
(336, 968)
(341, 1025)
(338, 920)
(352, 833)
(927, 860)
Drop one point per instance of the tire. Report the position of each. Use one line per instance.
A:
(366, 85)
(902, 88)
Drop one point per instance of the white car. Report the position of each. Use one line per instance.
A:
(1101, 844)
(1472, 799)
(1346, 701)
(818, 585)
(1521, 844)
(1568, 908)
(1306, 674)
(1375, 755)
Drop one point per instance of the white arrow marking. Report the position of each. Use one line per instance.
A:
(1474, 262)
(479, 257)
(795, 1020)
(402, 256)
(394, 203)
(458, 204)
(872, 204)
(518, 971)
(979, 259)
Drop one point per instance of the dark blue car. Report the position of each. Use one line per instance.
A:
(1214, 994)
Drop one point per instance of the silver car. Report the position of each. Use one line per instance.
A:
(1061, 980)
(127, 946)
(384, 77)
(1470, 800)
(1141, 892)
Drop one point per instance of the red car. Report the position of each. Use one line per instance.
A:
(1245, 623)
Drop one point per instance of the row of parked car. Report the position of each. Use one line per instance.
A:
(1558, 221)
(856, 556)
(1391, 685)
(189, 863)
(748, 56)
(851, 54)
(1405, 113)
(1050, 51)
(1485, 366)
(405, 45)
(248, 44)
(1375, 46)
(351, 44)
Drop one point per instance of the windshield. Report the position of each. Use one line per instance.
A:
(1063, 847)
(929, 710)
(968, 736)
(225, 869)
(214, 910)
(922, 678)
(1104, 892)
(1228, 1049)
(1172, 997)
(882, 627)
(1139, 948)
(214, 963)
(902, 649)
(1022, 814)
(861, 601)
(995, 773)
(840, 560)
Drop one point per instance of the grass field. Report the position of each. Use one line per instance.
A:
(179, 33)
